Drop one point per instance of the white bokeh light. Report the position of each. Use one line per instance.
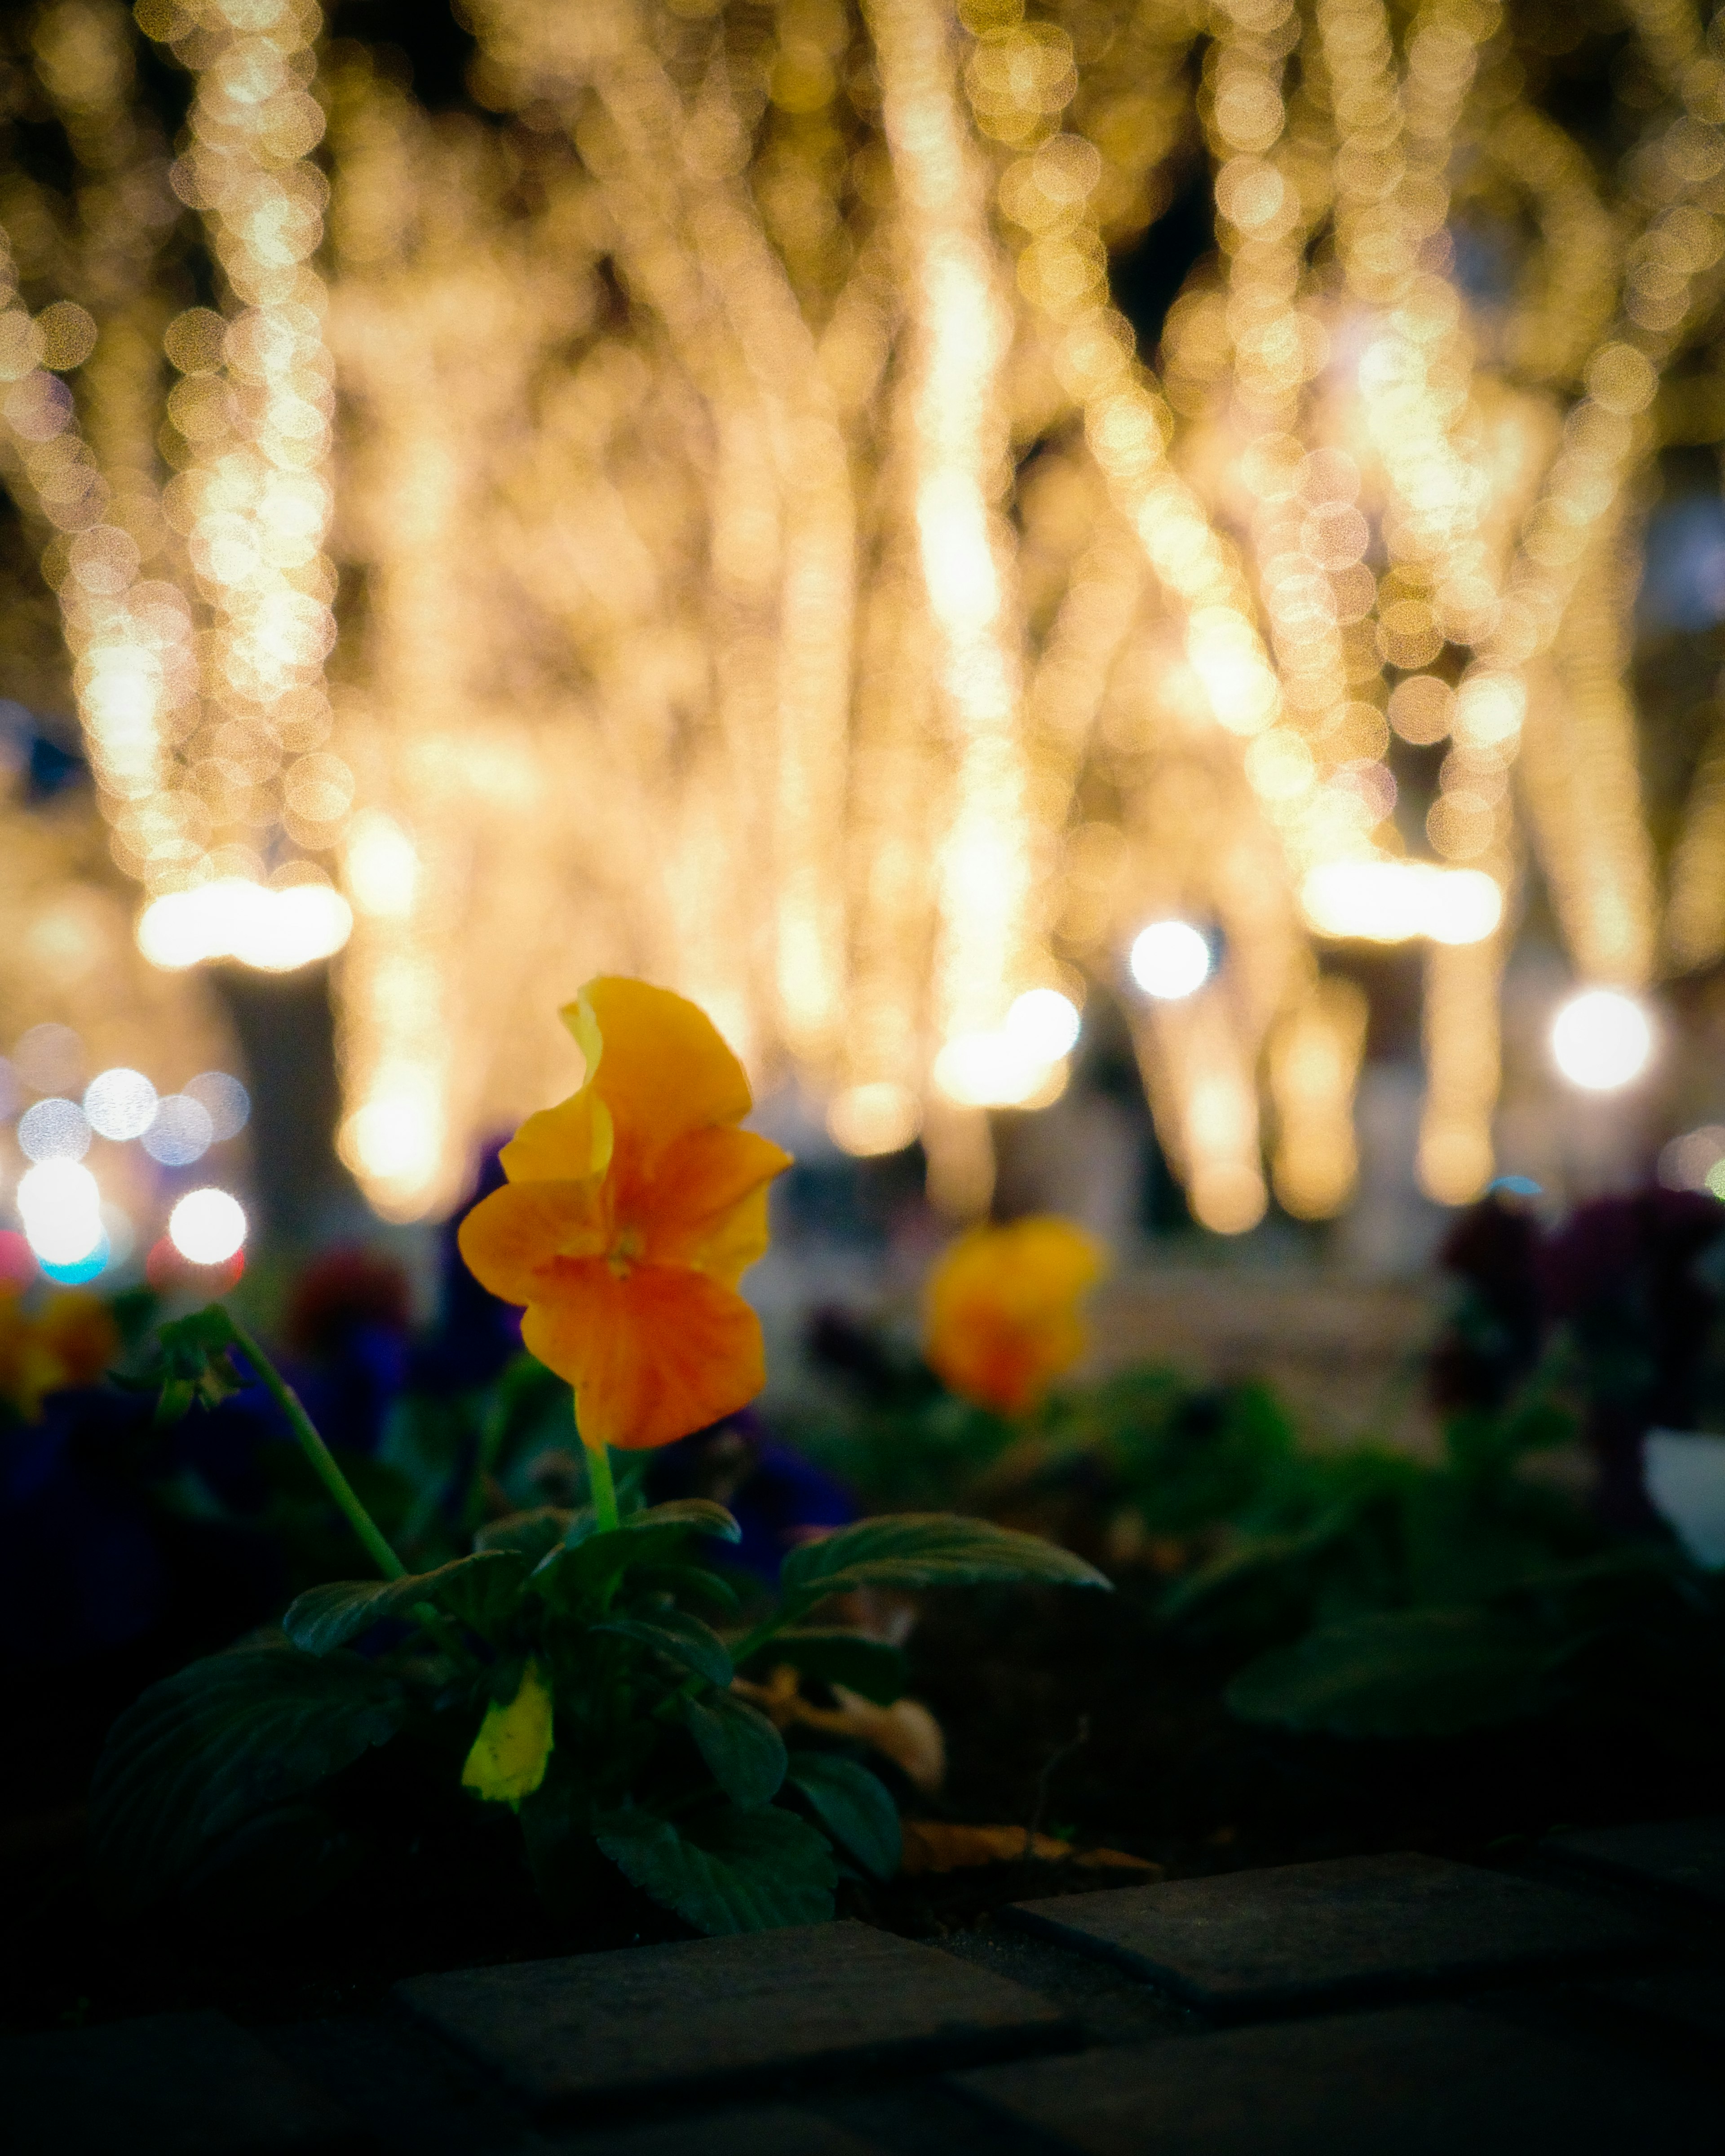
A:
(1044, 1023)
(1601, 1040)
(120, 1103)
(207, 1227)
(181, 1131)
(60, 1206)
(1170, 959)
(274, 930)
(53, 1130)
(223, 1099)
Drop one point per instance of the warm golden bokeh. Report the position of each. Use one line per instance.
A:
(756, 550)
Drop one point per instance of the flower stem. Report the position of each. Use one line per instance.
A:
(319, 1454)
(603, 1489)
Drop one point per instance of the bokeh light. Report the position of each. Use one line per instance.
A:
(60, 1206)
(54, 1129)
(77, 1272)
(181, 1133)
(1601, 1040)
(1170, 960)
(996, 1069)
(208, 1226)
(120, 1103)
(1044, 1023)
(274, 930)
(1693, 1161)
(870, 1120)
(223, 1099)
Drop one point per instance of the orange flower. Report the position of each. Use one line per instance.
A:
(1003, 1309)
(72, 1343)
(78, 1331)
(631, 1211)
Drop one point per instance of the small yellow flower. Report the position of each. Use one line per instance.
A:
(631, 1211)
(1002, 1307)
(514, 1746)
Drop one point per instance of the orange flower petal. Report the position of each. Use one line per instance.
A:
(662, 1069)
(511, 1239)
(688, 1214)
(652, 1354)
(561, 1144)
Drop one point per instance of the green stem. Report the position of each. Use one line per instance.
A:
(603, 1489)
(319, 1454)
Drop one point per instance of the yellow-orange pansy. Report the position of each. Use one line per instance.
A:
(631, 1211)
(1002, 1308)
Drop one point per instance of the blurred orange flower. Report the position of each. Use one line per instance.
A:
(631, 1211)
(72, 1343)
(1002, 1307)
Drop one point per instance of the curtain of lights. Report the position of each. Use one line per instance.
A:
(703, 508)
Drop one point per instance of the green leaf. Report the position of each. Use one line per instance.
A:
(680, 1637)
(854, 1807)
(861, 1665)
(1254, 1556)
(1403, 1673)
(743, 1751)
(691, 1583)
(925, 1549)
(728, 1871)
(228, 1739)
(583, 1574)
(480, 1590)
(698, 1516)
(534, 1534)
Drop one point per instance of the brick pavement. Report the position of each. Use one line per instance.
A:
(1377, 2004)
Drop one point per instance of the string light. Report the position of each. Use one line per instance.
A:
(882, 624)
(1601, 1041)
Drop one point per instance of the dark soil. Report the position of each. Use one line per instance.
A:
(1069, 1710)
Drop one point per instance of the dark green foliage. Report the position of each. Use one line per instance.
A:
(1401, 1673)
(926, 1549)
(481, 1590)
(680, 1637)
(221, 1746)
(869, 1668)
(725, 1870)
(192, 1363)
(853, 1806)
(745, 1754)
(233, 1780)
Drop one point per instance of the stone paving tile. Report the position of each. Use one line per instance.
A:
(756, 2130)
(1685, 2000)
(410, 2095)
(165, 2085)
(1435, 2080)
(1679, 1856)
(1313, 1934)
(728, 2014)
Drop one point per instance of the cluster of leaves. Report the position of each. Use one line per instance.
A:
(658, 1768)
(1366, 1593)
(1177, 1456)
(1390, 1598)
